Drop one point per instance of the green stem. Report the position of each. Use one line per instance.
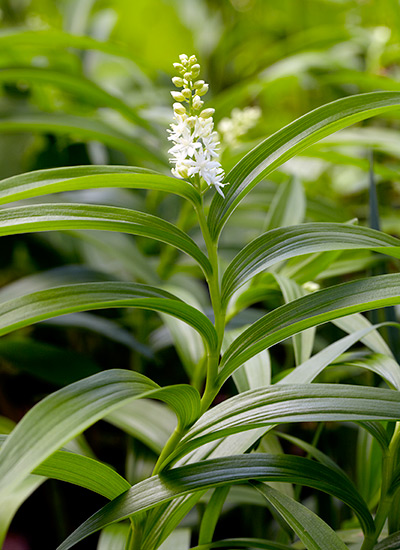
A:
(169, 447)
(388, 466)
(135, 537)
(211, 388)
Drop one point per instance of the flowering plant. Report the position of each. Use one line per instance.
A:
(202, 438)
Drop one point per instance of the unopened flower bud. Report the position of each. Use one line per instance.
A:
(191, 121)
(179, 67)
(195, 70)
(177, 81)
(203, 90)
(192, 59)
(197, 103)
(186, 93)
(179, 109)
(199, 84)
(183, 58)
(178, 96)
(182, 170)
(310, 286)
(207, 113)
(187, 76)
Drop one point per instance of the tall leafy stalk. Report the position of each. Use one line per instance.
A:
(210, 446)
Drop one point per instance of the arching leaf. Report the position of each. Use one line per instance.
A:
(308, 311)
(213, 473)
(45, 304)
(67, 412)
(289, 141)
(53, 217)
(288, 242)
(73, 178)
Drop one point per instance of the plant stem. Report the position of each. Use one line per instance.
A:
(170, 446)
(211, 388)
(135, 537)
(388, 466)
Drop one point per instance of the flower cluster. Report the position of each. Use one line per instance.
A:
(240, 121)
(195, 150)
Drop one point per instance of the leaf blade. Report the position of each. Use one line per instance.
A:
(52, 217)
(290, 140)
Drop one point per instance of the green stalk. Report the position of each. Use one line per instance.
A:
(388, 467)
(211, 388)
(212, 357)
(169, 447)
(135, 537)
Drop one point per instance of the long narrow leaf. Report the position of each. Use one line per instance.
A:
(288, 242)
(67, 412)
(291, 403)
(308, 311)
(53, 217)
(79, 85)
(213, 473)
(82, 127)
(56, 180)
(310, 528)
(289, 141)
(45, 304)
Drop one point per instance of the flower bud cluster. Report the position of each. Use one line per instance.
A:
(239, 123)
(195, 149)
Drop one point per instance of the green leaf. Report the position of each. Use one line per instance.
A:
(244, 543)
(53, 217)
(64, 414)
(149, 421)
(76, 84)
(50, 39)
(213, 473)
(311, 310)
(253, 374)
(85, 472)
(178, 540)
(310, 450)
(309, 370)
(384, 366)
(291, 403)
(288, 242)
(45, 304)
(391, 542)
(163, 520)
(287, 207)
(373, 340)
(311, 530)
(289, 141)
(212, 513)
(56, 180)
(114, 537)
(303, 343)
(83, 128)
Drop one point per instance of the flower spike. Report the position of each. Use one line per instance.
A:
(195, 149)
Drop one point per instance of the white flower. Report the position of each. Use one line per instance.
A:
(210, 144)
(195, 143)
(240, 122)
(209, 170)
(185, 146)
